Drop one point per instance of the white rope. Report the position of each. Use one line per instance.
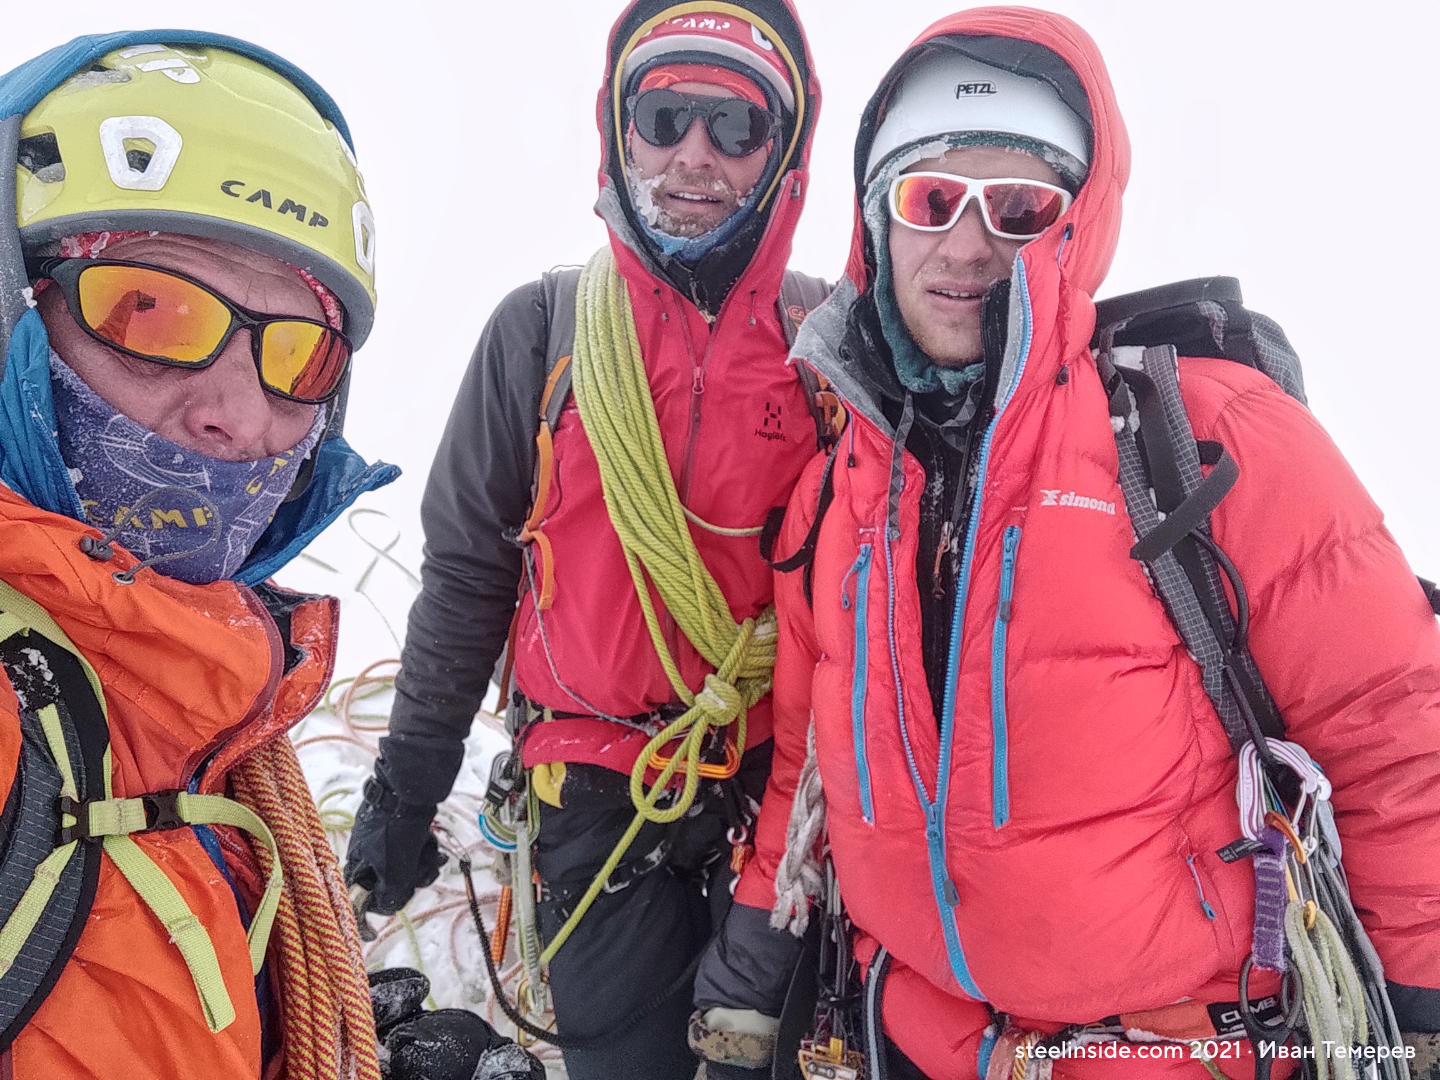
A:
(1334, 999)
(798, 878)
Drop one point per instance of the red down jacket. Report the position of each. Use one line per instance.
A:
(1083, 773)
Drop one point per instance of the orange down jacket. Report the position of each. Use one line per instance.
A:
(194, 678)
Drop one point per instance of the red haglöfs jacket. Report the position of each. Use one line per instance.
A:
(737, 431)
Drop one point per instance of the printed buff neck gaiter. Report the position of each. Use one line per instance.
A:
(190, 516)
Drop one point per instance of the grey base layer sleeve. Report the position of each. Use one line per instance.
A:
(477, 491)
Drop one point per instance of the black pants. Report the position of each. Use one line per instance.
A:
(900, 1067)
(665, 899)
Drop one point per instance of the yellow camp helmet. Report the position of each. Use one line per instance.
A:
(205, 142)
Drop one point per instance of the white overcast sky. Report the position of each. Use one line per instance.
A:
(1292, 145)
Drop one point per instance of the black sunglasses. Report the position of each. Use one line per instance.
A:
(737, 127)
(169, 318)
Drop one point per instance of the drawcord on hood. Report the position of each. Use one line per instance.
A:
(102, 550)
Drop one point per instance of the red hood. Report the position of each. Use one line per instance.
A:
(785, 198)
(1094, 217)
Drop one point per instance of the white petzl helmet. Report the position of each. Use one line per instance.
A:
(947, 93)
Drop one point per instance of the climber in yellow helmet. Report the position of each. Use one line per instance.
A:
(179, 305)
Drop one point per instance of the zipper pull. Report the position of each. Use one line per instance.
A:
(932, 823)
(697, 381)
(1007, 572)
(861, 561)
(934, 834)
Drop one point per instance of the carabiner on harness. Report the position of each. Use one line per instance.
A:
(831, 1051)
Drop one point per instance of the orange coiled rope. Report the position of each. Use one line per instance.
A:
(325, 997)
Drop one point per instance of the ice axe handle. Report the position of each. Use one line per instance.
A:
(360, 904)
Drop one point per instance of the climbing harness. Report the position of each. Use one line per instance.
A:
(592, 351)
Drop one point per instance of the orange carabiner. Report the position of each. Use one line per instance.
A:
(708, 771)
(1281, 822)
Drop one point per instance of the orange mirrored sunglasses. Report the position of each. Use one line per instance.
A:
(168, 318)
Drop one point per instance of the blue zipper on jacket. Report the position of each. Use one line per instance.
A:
(999, 730)
(946, 896)
(861, 678)
(935, 813)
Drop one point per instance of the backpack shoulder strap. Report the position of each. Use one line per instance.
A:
(801, 294)
(561, 288)
(46, 888)
(1169, 499)
(66, 817)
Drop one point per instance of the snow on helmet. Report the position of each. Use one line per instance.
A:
(713, 37)
(205, 142)
(947, 93)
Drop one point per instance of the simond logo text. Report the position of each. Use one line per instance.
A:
(1054, 497)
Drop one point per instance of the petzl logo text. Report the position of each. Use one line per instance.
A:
(974, 89)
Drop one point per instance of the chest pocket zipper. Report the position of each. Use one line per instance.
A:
(859, 681)
(999, 728)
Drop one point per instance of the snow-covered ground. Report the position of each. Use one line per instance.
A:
(336, 745)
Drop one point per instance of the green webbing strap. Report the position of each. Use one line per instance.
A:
(21, 923)
(55, 737)
(186, 931)
(116, 818)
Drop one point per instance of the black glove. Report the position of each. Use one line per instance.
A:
(716, 1070)
(396, 995)
(392, 850)
(447, 1044)
(509, 1062)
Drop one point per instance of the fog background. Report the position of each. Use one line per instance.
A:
(1289, 147)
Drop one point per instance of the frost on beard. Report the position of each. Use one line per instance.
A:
(642, 196)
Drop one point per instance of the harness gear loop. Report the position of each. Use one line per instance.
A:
(544, 471)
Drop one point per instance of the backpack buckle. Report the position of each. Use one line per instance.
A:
(162, 811)
(81, 829)
(161, 808)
